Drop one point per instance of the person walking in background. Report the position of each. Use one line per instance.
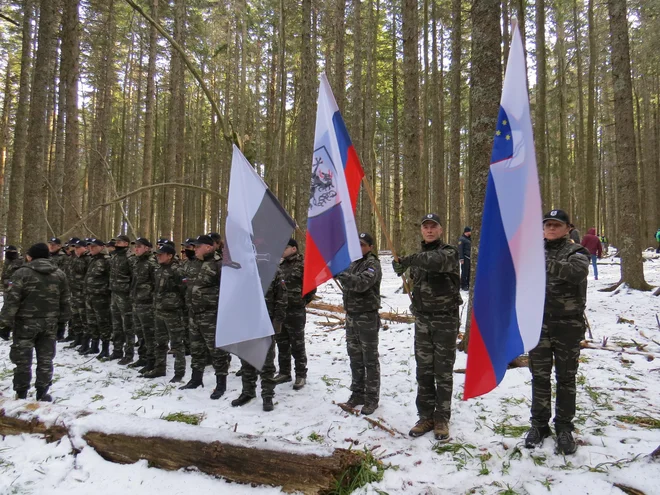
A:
(464, 255)
(605, 243)
(592, 243)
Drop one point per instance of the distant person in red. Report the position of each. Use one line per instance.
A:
(592, 243)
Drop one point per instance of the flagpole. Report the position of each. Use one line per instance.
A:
(383, 227)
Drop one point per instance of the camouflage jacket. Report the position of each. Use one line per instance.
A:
(76, 272)
(206, 287)
(142, 282)
(292, 272)
(361, 284)
(189, 270)
(120, 271)
(567, 268)
(277, 298)
(60, 259)
(8, 269)
(38, 290)
(97, 276)
(435, 277)
(169, 291)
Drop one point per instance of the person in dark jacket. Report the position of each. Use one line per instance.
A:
(291, 340)
(13, 261)
(76, 278)
(97, 299)
(435, 305)
(361, 286)
(35, 310)
(121, 307)
(56, 253)
(464, 253)
(591, 243)
(143, 270)
(567, 267)
(574, 234)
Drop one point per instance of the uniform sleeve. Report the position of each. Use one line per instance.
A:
(65, 306)
(461, 250)
(365, 279)
(281, 298)
(437, 260)
(574, 269)
(12, 303)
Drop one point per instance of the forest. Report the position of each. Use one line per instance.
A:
(118, 116)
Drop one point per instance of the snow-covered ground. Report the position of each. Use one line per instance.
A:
(485, 455)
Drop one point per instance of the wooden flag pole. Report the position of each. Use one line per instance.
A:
(370, 192)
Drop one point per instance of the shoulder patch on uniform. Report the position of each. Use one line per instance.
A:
(371, 270)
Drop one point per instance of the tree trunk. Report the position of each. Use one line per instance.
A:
(35, 193)
(438, 123)
(17, 179)
(454, 228)
(412, 206)
(396, 147)
(632, 269)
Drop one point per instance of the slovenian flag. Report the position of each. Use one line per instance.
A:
(509, 291)
(332, 241)
(256, 233)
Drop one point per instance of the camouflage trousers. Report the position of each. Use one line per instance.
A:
(291, 341)
(186, 329)
(202, 341)
(143, 323)
(250, 374)
(435, 353)
(78, 322)
(560, 339)
(169, 329)
(38, 334)
(121, 309)
(362, 345)
(98, 316)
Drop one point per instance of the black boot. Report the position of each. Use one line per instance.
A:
(195, 381)
(220, 387)
(240, 372)
(21, 394)
(155, 373)
(151, 362)
(105, 351)
(85, 344)
(242, 400)
(268, 404)
(565, 442)
(536, 435)
(76, 342)
(177, 378)
(117, 353)
(70, 337)
(142, 361)
(43, 396)
(93, 348)
(125, 360)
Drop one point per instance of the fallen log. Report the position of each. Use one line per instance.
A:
(172, 446)
(385, 315)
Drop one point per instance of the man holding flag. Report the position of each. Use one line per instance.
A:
(567, 268)
(435, 277)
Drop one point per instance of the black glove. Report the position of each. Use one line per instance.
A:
(277, 326)
(5, 332)
(61, 328)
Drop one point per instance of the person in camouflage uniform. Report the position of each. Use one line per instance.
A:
(36, 310)
(189, 268)
(361, 286)
(57, 254)
(567, 268)
(142, 295)
(435, 277)
(169, 294)
(97, 299)
(13, 261)
(121, 307)
(276, 303)
(291, 340)
(204, 296)
(77, 269)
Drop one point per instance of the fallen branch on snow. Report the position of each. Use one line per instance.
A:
(372, 422)
(334, 308)
(587, 345)
(629, 489)
(173, 446)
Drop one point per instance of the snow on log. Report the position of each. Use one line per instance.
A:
(172, 446)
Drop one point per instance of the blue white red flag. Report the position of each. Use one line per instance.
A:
(332, 241)
(509, 291)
